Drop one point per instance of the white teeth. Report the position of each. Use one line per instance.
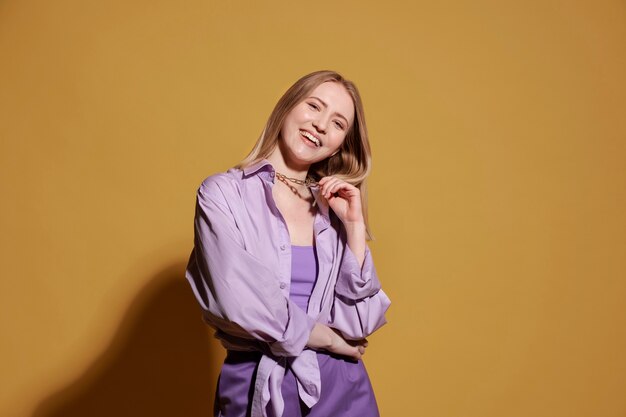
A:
(310, 137)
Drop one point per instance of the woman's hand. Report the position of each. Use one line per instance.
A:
(343, 198)
(323, 337)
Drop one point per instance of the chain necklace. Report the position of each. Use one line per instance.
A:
(308, 182)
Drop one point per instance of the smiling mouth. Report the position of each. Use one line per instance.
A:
(312, 138)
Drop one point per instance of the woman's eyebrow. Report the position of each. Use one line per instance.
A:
(326, 105)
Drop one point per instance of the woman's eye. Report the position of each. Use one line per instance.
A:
(313, 106)
(339, 125)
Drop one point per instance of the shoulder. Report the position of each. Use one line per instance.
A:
(219, 180)
(221, 186)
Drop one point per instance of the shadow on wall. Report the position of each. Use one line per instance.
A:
(163, 361)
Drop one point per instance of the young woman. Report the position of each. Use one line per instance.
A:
(281, 267)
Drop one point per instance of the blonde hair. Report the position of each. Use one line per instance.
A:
(352, 163)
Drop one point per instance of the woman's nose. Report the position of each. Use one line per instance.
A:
(320, 124)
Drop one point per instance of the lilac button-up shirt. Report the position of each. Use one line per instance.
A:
(240, 273)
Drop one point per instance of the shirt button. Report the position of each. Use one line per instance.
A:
(282, 247)
(283, 285)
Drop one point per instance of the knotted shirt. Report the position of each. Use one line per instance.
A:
(240, 273)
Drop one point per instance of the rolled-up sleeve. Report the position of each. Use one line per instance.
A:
(239, 294)
(353, 282)
(360, 303)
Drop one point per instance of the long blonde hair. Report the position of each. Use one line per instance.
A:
(352, 163)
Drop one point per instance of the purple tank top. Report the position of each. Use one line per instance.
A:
(303, 274)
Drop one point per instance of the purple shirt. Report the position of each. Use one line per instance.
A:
(240, 273)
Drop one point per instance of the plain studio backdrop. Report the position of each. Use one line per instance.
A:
(497, 196)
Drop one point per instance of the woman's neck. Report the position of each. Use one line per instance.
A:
(284, 167)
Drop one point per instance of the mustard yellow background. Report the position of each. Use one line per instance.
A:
(498, 195)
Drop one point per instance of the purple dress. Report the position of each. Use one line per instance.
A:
(346, 388)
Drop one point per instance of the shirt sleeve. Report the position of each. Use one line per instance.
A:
(360, 304)
(354, 282)
(238, 293)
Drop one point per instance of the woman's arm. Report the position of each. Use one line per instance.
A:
(356, 240)
(360, 303)
(239, 293)
(352, 318)
(326, 338)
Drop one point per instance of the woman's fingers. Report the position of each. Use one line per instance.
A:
(357, 352)
(327, 338)
(352, 348)
(330, 186)
(360, 346)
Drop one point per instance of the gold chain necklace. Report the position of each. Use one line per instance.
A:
(308, 182)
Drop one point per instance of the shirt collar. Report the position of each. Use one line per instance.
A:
(321, 203)
(263, 163)
(267, 169)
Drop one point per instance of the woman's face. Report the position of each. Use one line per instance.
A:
(316, 127)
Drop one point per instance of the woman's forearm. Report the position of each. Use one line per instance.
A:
(324, 338)
(356, 240)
